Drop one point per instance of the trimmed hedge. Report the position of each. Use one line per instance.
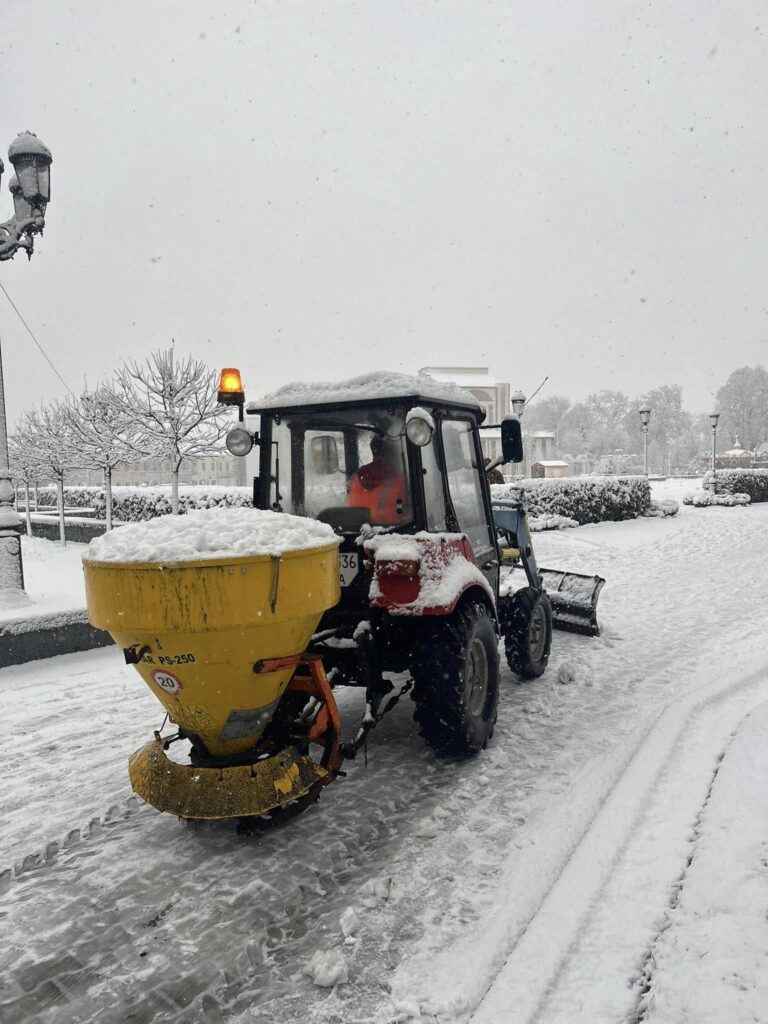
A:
(585, 499)
(753, 482)
(130, 504)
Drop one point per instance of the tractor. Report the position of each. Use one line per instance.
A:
(394, 464)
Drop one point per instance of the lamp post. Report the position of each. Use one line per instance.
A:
(518, 403)
(713, 418)
(645, 415)
(30, 187)
(517, 400)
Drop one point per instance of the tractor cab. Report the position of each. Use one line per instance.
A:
(407, 464)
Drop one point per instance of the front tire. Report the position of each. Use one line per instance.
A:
(527, 625)
(456, 680)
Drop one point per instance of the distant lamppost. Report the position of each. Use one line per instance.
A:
(518, 403)
(645, 415)
(31, 190)
(713, 418)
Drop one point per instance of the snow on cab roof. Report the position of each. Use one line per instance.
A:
(210, 534)
(366, 387)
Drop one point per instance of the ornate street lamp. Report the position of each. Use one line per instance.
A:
(517, 400)
(713, 418)
(31, 190)
(645, 416)
(518, 403)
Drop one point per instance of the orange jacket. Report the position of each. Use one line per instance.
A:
(383, 493)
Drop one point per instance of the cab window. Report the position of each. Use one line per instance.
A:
(463, 468)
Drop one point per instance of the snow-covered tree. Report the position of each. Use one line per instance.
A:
(101, 435)
(668, 427)
(743, 406)
(172, 407)
(24, 456)
(47, 428)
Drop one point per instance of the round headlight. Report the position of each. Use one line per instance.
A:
(239, 441)
(419, 431)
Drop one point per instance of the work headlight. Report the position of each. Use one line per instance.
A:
(239, 441)
(419, 431)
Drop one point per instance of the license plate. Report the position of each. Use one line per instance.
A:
(348, 567)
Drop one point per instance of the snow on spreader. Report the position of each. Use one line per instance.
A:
(216, 609)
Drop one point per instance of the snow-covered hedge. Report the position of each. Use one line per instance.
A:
(753, 482)
(593, 499)
(130, 504)
(703, 499)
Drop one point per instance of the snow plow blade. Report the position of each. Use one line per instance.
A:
(238, 791)
(574, 599)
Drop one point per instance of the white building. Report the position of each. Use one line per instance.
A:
(492, 394)
(218, 470)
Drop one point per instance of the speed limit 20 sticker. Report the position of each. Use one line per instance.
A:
(167, 681)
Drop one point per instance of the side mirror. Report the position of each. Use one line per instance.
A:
(325, 455)
(511, 439)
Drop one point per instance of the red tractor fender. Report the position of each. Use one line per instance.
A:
(423, 573)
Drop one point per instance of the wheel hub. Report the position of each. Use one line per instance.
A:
(538, 634)
(477, 677)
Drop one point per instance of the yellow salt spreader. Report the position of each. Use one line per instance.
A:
(221, 643)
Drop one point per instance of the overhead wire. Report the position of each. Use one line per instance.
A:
(32, 336)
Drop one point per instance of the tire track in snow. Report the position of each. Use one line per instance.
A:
(643, 984)
(526, 988)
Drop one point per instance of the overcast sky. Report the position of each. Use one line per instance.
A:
(309, 190)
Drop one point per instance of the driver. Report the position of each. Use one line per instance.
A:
(381, 486)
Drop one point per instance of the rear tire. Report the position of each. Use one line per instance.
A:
(455, 672)
(527, 628)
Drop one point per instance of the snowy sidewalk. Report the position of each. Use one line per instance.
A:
(53, 579)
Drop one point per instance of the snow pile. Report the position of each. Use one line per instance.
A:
(703, 499)
(574, 672)
(210, 534)
(327, 968)
(660, 508)
(349, 923)
(376, 891)
(587, 499)
(417, 413)
(538, 523)
(394, 547)
(443, 582)
(28, 142)
(368, 386)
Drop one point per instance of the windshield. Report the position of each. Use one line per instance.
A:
(346, 468)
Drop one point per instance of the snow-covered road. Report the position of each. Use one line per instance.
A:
(532, 883)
